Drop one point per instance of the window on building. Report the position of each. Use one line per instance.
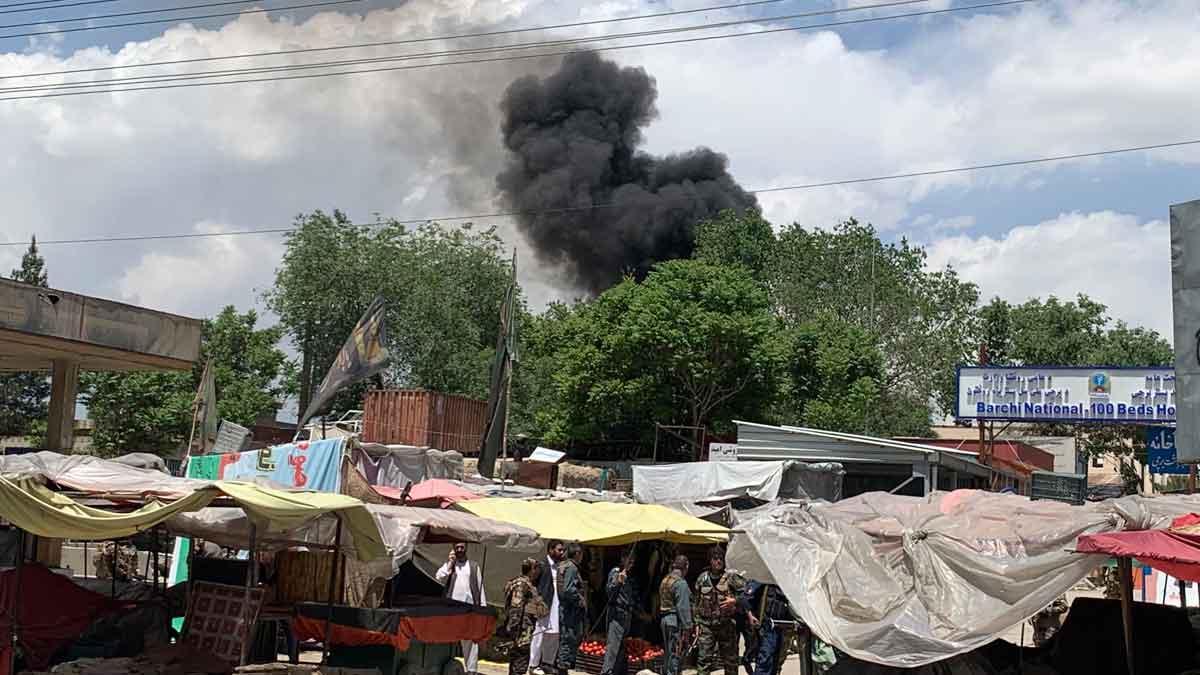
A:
(1097, 462)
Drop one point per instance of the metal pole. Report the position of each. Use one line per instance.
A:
(1182, 593)
(247, 623)
(85, 557)
(16, 608)
(333, 578)
(1125, 569)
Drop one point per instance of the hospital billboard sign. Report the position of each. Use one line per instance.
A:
(1067, 394)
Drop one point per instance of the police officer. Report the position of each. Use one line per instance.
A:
(675, 607)
(622, 593)
(572, 599)
(772, 638)
(717, 592)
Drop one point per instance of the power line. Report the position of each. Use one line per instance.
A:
(140, 12)
(80, 3)
(195, 17)
(211, 74)
(151, 87)
(393, 43)
(571, 209)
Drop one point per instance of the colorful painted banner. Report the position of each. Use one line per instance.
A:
(306, 465)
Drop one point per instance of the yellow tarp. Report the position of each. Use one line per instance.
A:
(39, 511)
(600, 523)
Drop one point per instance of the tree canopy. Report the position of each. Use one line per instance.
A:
(24, 396)
(442, 285)
(149, 411)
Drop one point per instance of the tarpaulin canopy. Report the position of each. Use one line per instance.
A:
(94, 475)
(402, 529)
(1175, 551)
(907, 581)
(720, 481)
(436, 492)
(598, 523)
(37, 510)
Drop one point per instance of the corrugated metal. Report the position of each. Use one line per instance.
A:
(424, 419)
(763, 442)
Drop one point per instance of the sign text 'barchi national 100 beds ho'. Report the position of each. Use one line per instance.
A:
(1054, 394)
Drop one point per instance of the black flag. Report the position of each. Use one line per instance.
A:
(495, 436)
(363, 355)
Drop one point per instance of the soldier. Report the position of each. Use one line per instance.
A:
(772, 638)
(622, 602)
(717, 592)
(571, 603)
(675, 607)
(523, 606)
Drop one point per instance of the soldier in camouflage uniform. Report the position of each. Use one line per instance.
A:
(523, 606)
(717, 592)
(675, 608)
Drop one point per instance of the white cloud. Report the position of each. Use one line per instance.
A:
(790, 108)
(1113, 258)
(204, 271)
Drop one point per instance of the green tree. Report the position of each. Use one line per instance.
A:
(443, 287)
(1075, 333)
(922, 322)
(694, 343)
(24, 396)
(737, 238)
(152, 412)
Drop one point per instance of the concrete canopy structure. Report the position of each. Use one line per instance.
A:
(43, 329)
(873, 464)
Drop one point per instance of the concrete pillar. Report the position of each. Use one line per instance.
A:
(64, 385)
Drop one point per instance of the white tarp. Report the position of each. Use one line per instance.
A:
(721, 481)
(94, 475)
(402, 527)
(707, 481)
(907, 581)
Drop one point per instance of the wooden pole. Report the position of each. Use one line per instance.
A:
(333, 578)
(1125, 570)
(1191, 483)
(1182, 593)
(247, 624)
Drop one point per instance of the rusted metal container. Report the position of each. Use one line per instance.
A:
(424, 419)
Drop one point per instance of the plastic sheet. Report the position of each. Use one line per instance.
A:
(907, 581)
(719, 481)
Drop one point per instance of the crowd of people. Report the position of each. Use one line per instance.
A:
(545, 617)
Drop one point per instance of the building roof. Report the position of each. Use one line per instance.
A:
(41, 325)
(769, 442)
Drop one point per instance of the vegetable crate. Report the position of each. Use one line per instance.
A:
(590, 663)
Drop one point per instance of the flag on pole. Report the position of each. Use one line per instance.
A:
(363, 355)
(495, 435)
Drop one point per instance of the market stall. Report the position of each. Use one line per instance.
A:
(606, 530)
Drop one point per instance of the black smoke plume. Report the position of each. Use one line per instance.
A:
(590, 201)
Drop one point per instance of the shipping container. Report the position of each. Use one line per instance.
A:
(424, 419)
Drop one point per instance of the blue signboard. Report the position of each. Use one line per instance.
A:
(1160, 447)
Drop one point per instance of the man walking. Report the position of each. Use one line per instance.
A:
(675, 606)
(543, 649)
(773, 638)
(717, 593)
(572, 602)
(622, 593)
(463, 582)
(523, 608)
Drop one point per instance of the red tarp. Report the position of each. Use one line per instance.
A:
(434, 492)
(431, 620)
(1175, 552)
(54, 612)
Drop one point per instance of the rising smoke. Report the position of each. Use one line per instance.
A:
(573, 139)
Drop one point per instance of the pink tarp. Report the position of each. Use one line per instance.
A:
(432, 493)
(1175, 551)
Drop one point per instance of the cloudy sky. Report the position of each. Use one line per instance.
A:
(963, 88)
